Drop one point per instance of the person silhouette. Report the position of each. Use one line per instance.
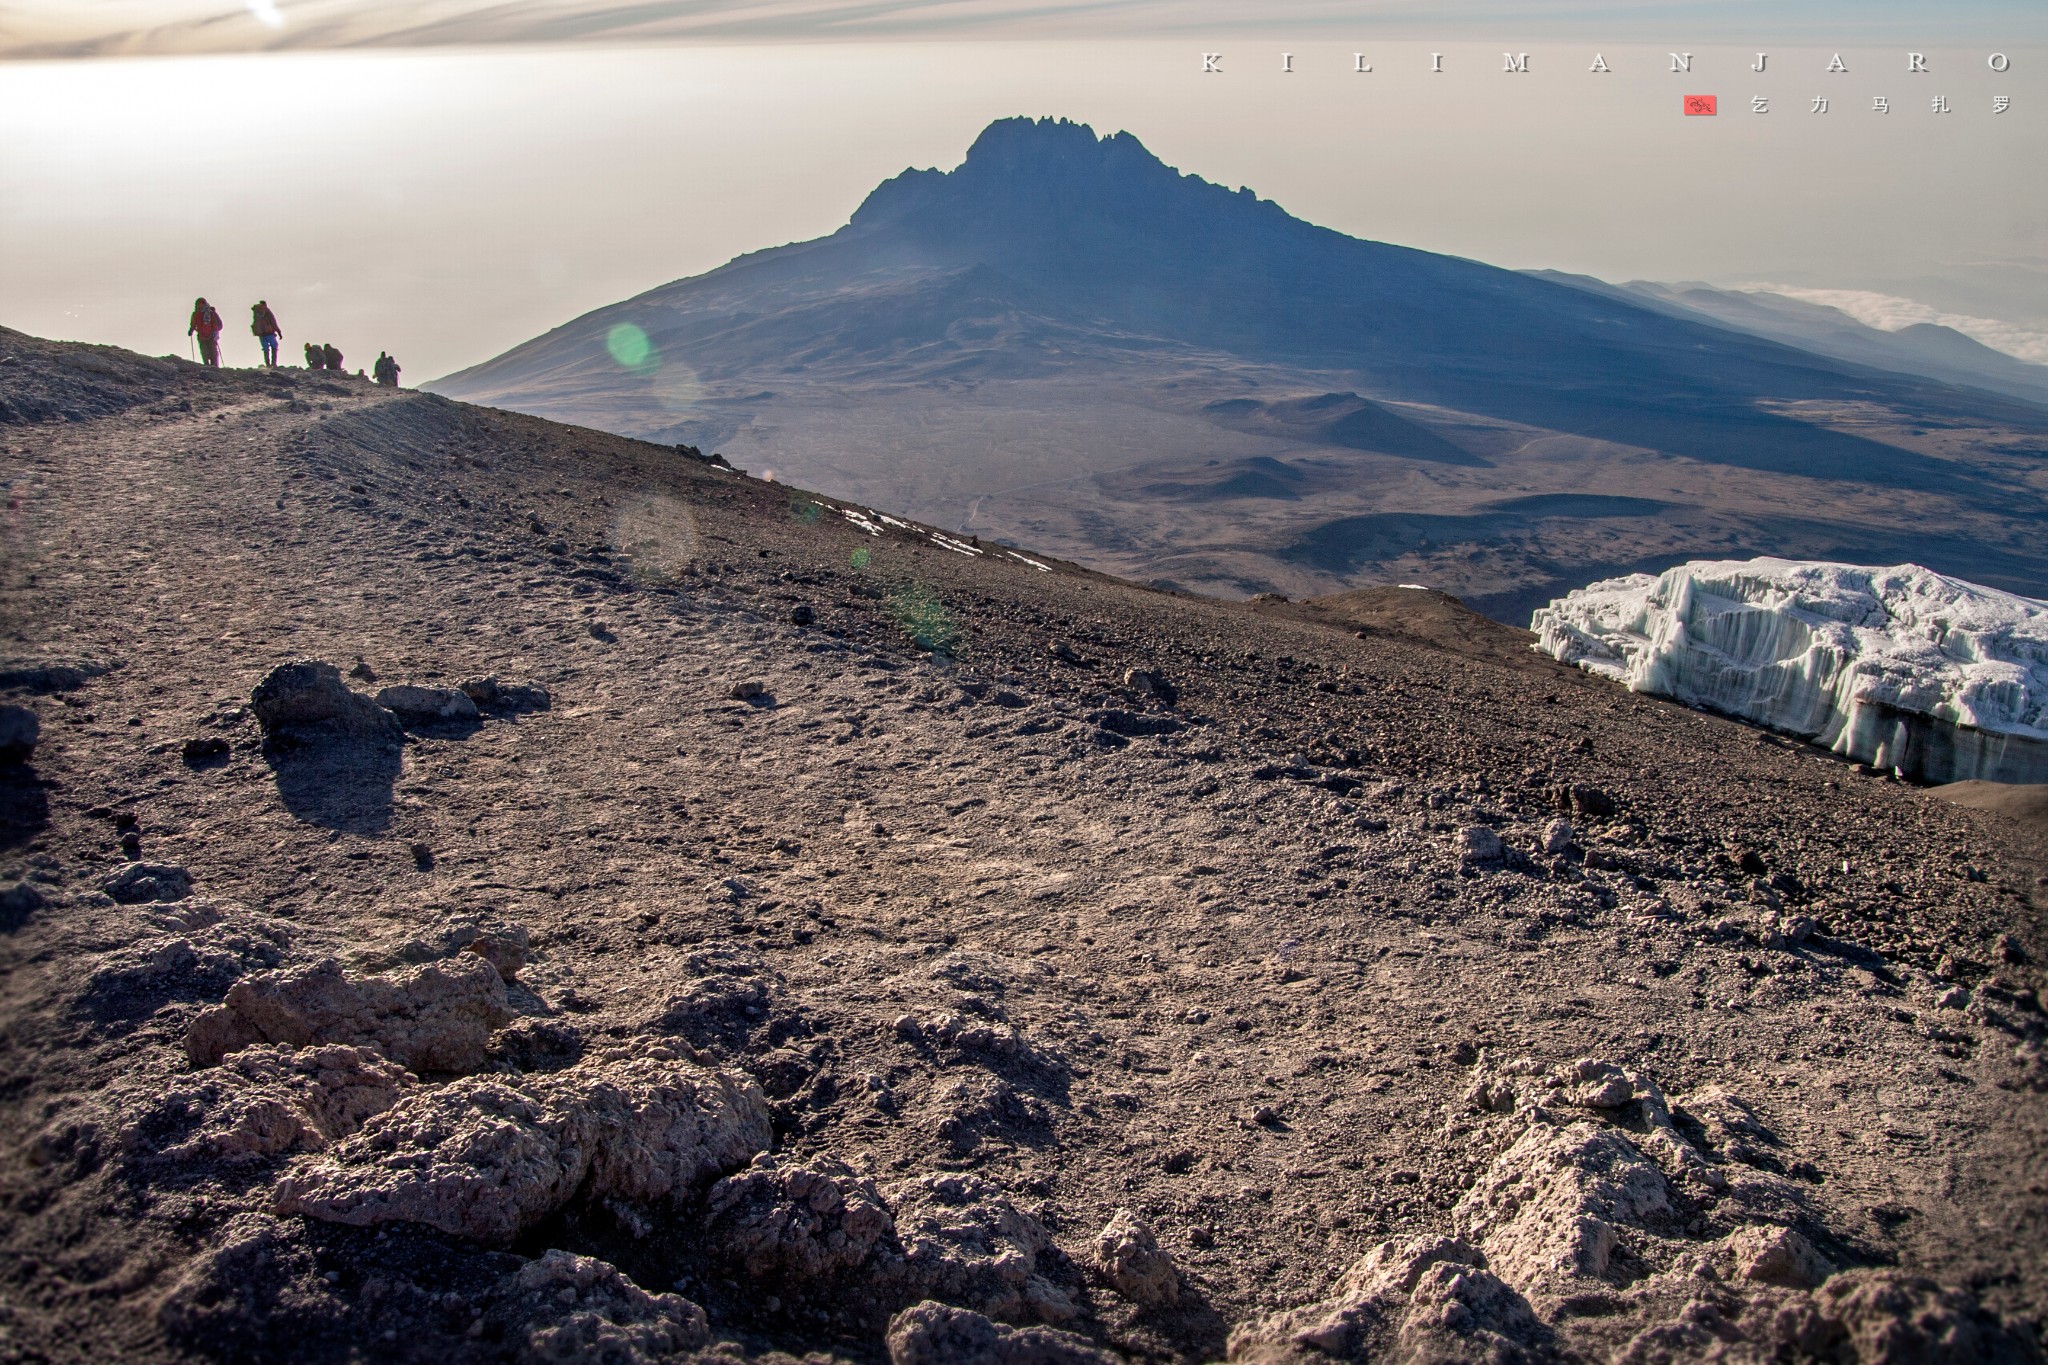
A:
(263, 323)
(206, 325)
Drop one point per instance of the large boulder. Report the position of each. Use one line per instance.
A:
(307, 702)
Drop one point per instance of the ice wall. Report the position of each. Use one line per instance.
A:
(1901, 667)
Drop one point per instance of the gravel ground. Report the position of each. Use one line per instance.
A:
(825, 939)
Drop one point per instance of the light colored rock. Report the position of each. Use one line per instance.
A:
(1546, 1211)
(1557, 836)
(269, 1099)
(141, 882)
(1130, 1259)
(964, 1242)
(1478, 844)
(486, 1159)
(427, 705)
(1780, 1256)
(438, 1017)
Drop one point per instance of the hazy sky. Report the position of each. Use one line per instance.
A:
(446, 202)
(106, 27)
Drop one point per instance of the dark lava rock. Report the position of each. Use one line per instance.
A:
(19, 730)
(801, 614)
(306, 700)
(17, 903)
(206, 750)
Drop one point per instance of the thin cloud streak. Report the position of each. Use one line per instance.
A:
(108, 28)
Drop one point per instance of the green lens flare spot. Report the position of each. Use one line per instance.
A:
(630, 347)
(924, 618)
(805, 511)
(861, 557)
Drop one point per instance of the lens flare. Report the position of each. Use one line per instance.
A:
(630, 347)
(861, 558)
(923, 617)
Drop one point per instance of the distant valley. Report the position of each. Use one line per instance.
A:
(1066, 344)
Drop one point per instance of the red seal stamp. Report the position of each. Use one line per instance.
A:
(1702, 104)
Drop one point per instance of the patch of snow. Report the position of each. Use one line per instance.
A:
(1419, 587)
(1042, 568)
(859, 519)
(888, 520)
(956, 546)
(1898, 667)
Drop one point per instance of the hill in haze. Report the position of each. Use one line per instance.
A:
(1065, 341)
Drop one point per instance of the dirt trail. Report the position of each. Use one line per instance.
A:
(994, 896)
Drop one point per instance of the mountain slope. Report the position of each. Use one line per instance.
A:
(1025, 343)
(1922, 349)
(1151, 969)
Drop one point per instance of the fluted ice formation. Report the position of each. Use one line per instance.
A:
(1899, 667)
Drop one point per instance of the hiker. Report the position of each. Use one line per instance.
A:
(386, 371)
(332, 355)
(263, 323)
(315, 358)
(206, 325)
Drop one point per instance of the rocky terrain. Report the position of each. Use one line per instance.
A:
(473, 889)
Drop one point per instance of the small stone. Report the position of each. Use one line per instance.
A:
(1478, 844)
(1954, 998)
(1130, 1259)
(1061, 650)
(1778, 1256)
(908, 1028)
(2010, 949)
(801, 614)
(1265, 1116)
(1557, 836)
(362, 672)
(204, 749)
(141, 882)
(751, 690)
(422, 856)
(1610, 1094)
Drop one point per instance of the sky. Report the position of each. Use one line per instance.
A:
(447, 178)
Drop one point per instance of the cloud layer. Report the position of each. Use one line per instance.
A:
(87, 28)
(1890, 313)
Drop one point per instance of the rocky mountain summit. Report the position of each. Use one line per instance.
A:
(1067, 342)
(473, 889)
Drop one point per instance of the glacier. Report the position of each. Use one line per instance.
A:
(1902, 668)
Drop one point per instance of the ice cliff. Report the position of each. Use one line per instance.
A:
(1900, 667)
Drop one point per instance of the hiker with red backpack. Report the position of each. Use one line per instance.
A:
(206, 325)
(263, 323)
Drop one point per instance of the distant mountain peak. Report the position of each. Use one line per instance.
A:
(1039, 160)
